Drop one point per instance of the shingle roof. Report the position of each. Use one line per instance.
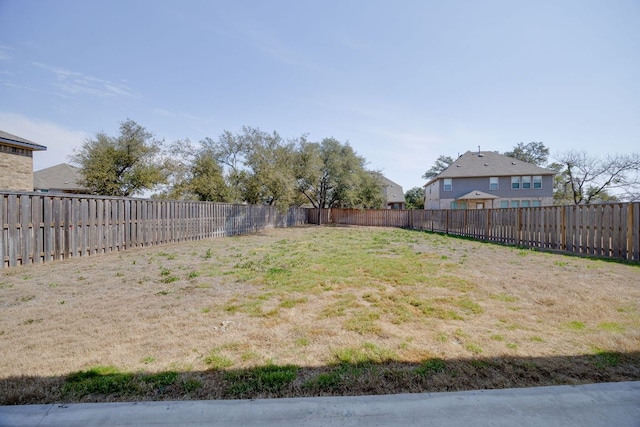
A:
(58, 177)
(392, 190)
(477, 195)
(488, 163)
(9, 139)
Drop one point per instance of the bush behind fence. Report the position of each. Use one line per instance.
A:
(40, 228)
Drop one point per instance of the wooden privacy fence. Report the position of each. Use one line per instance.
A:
(40, 228)
(607, 230)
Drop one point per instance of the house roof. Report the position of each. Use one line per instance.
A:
(392, 190)
(16, 141)
(59, 177)
(477, 195)
(489, 163)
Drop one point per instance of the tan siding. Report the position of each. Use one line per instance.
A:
(16, 172)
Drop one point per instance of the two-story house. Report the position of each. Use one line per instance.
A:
(16, 162)
(484, 179)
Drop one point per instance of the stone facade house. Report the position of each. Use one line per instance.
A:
(488, 180)
(16, 162)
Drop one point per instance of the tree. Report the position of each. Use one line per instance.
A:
(583, 179)
(331, 174)
(415, 198)
(121, 166)
(534, 152)
(440, 165)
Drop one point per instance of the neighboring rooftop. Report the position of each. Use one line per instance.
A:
(62, 178)
(16, 141)
(489, 163)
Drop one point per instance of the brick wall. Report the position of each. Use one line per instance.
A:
(16, 172)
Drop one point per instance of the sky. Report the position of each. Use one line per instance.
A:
(401, 81)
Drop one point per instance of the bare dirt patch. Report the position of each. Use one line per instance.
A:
(350, 310)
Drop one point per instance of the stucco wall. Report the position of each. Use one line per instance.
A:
(16, 172)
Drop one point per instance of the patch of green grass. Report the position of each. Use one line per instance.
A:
(329, 381)
(339, 308)
(469, 306)
(147, 360)
(504, 297)
(252, 306)
(536, 338)
(169, 279)
(473, 348)
(302, 342)
(193, 275)
(576, 325)
(560, 263)
(606, 359)
(363, 322)
(290, 303)
(259, 380)
(611, 327)
(497, 337)
(512, 345)
(216, 361)
(205, 310)
(430, 367)
(367, 353)
(108, 380)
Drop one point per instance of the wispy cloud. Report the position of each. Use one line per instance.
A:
(6, 53)
(74, 82)
(60, 142)
(168, 113)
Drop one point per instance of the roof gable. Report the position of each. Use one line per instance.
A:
(58, 177)
(488, 163)
(16, 141)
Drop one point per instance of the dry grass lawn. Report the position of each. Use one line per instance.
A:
(314, 311)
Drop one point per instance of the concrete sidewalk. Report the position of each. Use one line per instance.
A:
(609, 404)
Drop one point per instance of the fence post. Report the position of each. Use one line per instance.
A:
(563, 228)
(487, 229)
(630, 233)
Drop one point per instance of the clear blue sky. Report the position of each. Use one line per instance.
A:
(402, 81)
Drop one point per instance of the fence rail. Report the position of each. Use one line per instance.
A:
(607, 230)
(38, 228)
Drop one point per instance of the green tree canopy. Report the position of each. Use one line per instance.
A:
(331, 174)
(534, 152)
(415, 198)
(125, 165)
(440, 165)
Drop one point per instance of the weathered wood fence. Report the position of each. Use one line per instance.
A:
(607, 230)
(40, 228)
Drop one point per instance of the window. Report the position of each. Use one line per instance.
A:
(458, 205)
(504, 203)
(525, 203)
(537, 182)
(536, 203)
(515, 182)
(493, 183)
(526, 182)
(515, 203)
(448, 184)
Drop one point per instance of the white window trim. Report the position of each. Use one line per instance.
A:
(497, 183)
